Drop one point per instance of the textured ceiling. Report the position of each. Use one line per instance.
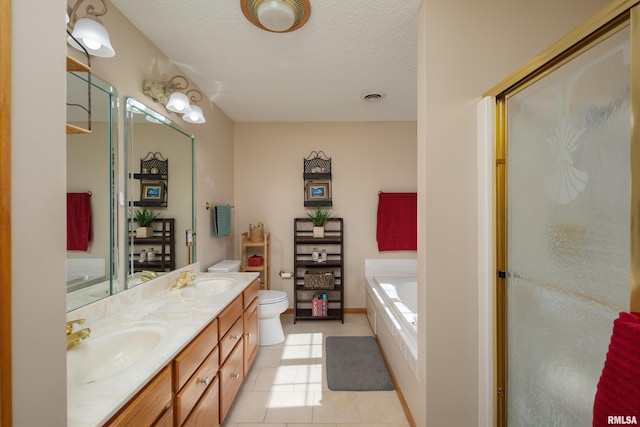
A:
(316, 73)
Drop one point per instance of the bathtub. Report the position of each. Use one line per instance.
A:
(392, 309)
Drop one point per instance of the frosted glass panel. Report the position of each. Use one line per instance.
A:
(568, 228)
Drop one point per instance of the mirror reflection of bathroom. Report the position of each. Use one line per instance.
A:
(159, 187)
(91, 172)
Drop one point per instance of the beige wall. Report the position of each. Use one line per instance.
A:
(464, 49)
(366, 157)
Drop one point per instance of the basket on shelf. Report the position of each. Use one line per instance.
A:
(256, 233)
(319, 280)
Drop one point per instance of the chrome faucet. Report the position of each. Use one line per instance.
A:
(74, 338)
(184, 279)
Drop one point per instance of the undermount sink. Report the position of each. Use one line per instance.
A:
(104, 355)
(203, 288)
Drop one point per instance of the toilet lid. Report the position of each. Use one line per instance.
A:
(271, 297)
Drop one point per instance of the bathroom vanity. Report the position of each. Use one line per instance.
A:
(189, 348)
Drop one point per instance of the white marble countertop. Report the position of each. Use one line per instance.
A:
(149, 304)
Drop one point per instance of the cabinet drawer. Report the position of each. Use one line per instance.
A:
(249, 294)
(231, 338)
(206, 412)
(231, 377)
(228, 317)
(186, 363)
(187, 398)
(149, 403)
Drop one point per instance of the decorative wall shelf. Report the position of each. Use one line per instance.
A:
(317, 179)
(154, 181)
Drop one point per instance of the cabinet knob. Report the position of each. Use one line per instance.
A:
(236, 375)
(248, 334)
(204, 381)
(235, 337)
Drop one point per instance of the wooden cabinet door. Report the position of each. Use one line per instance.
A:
(148, 405)
(231, 376)
(251, 323)
(206, 412)
(196, 387)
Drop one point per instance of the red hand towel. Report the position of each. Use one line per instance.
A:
(618, 392)
(397, 228)
(79, 232)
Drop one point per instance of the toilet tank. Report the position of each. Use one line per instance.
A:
(226, 266)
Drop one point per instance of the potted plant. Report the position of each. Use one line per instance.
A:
(319, 217)
(145, 217)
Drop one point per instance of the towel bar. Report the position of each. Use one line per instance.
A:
(208, 205)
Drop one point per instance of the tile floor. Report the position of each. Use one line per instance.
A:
(287, 385)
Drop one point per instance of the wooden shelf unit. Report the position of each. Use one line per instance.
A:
(248, 248)
(303, 244)
(163, 241)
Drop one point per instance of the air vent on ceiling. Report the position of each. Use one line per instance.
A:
(372, 96)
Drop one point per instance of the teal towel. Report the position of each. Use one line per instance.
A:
(222, 220)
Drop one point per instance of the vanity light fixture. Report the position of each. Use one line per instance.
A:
(169, 94)
(278, 16)
(195, 115)
(89, 32)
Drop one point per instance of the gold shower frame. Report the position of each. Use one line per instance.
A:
(615, 16)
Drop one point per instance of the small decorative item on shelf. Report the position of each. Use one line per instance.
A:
(255, 260)
(314, 255)
(319, 217)
(145, 217)
(323, 256)
(320, 306)
(151, 255)
(143, 256)
(256, 232)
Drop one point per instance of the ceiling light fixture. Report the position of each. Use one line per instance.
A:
(169, 94)
(88, 31)
(278, 16)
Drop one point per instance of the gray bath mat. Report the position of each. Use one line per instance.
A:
(356, 364)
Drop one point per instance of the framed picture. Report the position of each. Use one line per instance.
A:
(317, 192)
(152, 192)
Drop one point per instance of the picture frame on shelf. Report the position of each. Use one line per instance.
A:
(317, 192)
(152, 192)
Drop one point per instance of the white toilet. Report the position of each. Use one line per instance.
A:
(271, 304)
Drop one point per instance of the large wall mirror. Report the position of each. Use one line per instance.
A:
(160, 191)
(91, 182)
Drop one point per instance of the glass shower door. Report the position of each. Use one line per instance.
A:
(568, 232)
